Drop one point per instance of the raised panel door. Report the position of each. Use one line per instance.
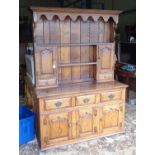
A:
(87, 122)
(111, 117)
(55, 128)
(105, 62)
(46, 67)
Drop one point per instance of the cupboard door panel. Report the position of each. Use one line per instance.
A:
(111, 118)
(87, 122)
(105, 62)
(46, 67)
(55, 128)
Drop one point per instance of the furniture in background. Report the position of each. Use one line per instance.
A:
(125, 77)
(75, 95)
(126, 53)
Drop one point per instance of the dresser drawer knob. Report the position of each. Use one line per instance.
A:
(111, 96)
(58, 104)
(86, 100)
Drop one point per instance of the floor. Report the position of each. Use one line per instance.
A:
(120, 144)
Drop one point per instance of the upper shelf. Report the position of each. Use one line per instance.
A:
(76, 44)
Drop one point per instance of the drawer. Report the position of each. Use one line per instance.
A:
(111, 95)
(106, 76)
(85, 100)
(58, 103)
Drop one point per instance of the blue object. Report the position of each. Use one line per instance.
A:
(129, 68)
(26, 125)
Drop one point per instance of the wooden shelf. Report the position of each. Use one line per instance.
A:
(75, 44)
(77, 64)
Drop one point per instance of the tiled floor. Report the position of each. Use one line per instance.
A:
(120, 144)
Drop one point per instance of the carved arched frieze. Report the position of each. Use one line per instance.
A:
(62, 16)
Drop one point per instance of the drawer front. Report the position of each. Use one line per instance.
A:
(85, 100)
(111, 95)
(58, 103)
(105, 77)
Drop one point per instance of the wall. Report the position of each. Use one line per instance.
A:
(25, 4)
(127, 18)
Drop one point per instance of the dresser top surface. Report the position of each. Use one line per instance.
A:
(68, 89)
(74, 10)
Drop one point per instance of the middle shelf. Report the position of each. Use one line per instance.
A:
(76, 64)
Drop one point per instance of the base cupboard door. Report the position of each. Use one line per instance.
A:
(55, 128)
(87, 122)
(112, 117)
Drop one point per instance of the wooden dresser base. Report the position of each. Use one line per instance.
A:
(74, 113)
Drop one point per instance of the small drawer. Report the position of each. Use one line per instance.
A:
(85, 100)
(112, 95)
(58, 103)
(106, 76)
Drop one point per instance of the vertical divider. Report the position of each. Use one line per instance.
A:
(89, 48)
(50, 31)
(70, 49)
(80, 47)
(60, 50)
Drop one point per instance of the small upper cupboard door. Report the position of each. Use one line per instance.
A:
(105, 62)
(111, 118)
(55, 128)
(46, 67)
(87, 122)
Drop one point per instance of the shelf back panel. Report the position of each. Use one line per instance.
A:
(67, 31)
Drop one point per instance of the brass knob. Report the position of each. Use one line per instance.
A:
(111, 96)
(58, 104)
(86, 100)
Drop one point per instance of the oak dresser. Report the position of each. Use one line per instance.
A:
(75, 96)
